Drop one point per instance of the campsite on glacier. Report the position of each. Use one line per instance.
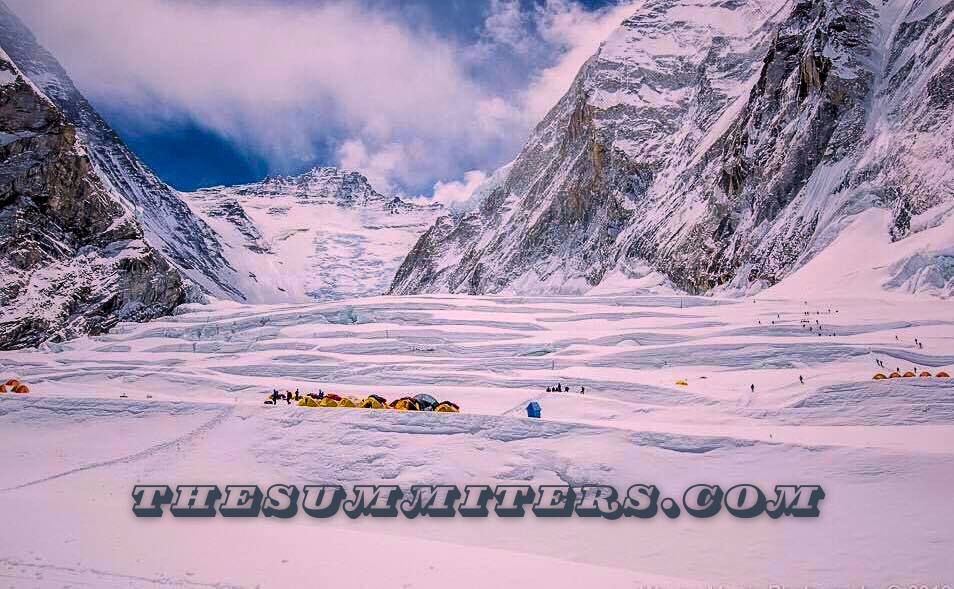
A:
(724, 256)
(880, 449)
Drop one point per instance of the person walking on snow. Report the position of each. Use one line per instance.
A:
(753, 388)
(801, 379)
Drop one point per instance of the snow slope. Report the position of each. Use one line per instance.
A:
(326, 234)
(883, 451)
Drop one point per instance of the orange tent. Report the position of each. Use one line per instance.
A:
(447, 407)
(909, 374)
(925, 374)
(21, 389)
(13, 382)
(406, 404)
(942, 375)
(880, 376)
(895, 375)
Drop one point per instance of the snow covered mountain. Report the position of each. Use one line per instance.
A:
(326, 234)
(721, 145)
(73, 259)
(167, 222)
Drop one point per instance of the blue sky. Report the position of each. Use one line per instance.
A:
(426, 97)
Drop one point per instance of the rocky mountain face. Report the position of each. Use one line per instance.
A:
(721, 144)
(168, 223)
(73, 260)
(326, 234)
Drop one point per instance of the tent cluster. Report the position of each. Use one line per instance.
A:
(910, 374)
(14, 386)
(422, 402)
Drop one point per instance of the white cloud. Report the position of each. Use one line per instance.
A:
(401, 105)
(456, 192)
(506, 24)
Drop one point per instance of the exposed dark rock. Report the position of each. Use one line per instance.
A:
(73, 260)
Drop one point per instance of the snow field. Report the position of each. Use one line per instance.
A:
(882, 451)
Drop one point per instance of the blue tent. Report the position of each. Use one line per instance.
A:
(533, 409)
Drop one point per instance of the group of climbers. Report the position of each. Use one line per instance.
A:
(421, 402)
(13, 385)
(559, 388)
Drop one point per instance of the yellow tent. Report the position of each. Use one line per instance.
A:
(307, 402)
(925, 374)
(895, 375)
(21, 389)
(909, 374)
(328, 402)
(346, 402)
(406, 404)
(446, 407)
(682, 383)
(880, 376)
(371, 403)
(3, 388)
(13, 383)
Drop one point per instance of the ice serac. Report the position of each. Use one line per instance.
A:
(73, 260)
(722, 144)
(326, 234)
(167, 221)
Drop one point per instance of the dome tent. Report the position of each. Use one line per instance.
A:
(406, 404)
(447, 407)
(533, 410)
(426, 402)
(372, 403)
